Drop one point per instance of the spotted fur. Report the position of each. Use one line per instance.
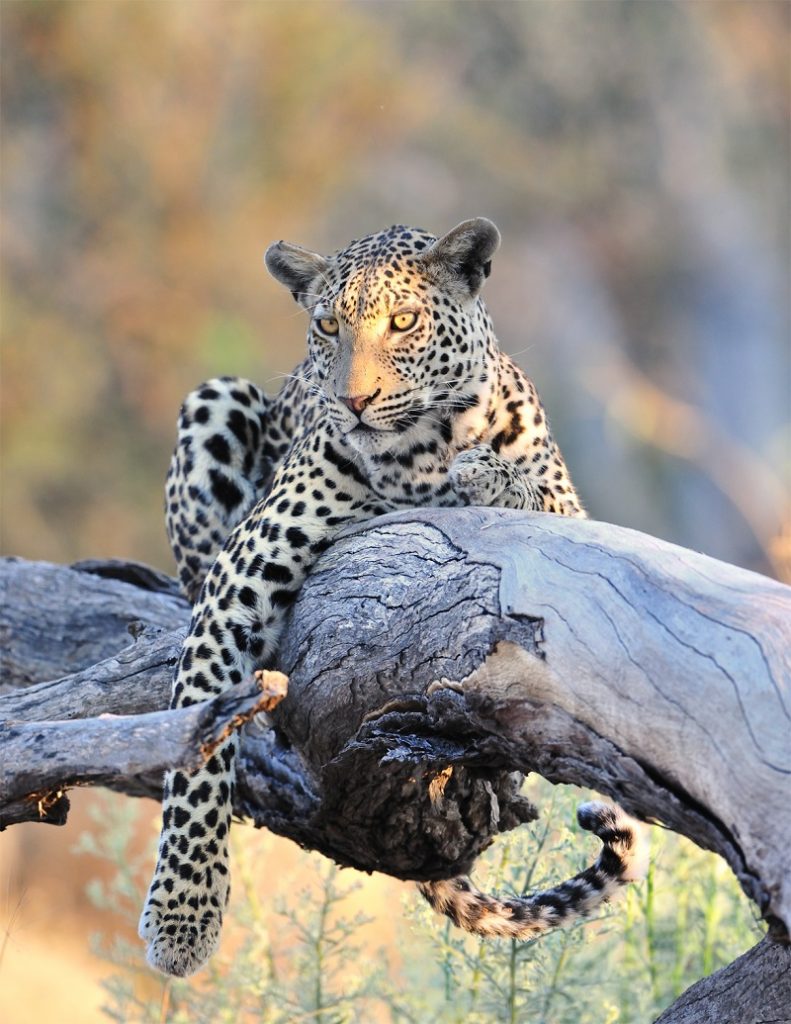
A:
(622, 860)
(404, 399)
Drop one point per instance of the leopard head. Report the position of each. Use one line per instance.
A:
(397, 330)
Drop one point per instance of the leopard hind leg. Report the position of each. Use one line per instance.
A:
(223, 463)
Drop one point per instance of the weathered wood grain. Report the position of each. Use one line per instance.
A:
(55, 620)
(495, 642)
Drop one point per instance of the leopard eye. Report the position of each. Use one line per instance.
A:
(403, 321)
(327, 325)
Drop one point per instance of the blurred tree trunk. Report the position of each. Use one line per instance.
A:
(490, 642)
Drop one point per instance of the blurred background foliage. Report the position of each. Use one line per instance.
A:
(635, 155)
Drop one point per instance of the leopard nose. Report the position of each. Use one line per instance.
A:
(356, 403)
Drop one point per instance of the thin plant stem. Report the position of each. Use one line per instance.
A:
(549, 996)
(682, 917)
(711, 919)
(649, 909)
(512, 1019)
(319, 950)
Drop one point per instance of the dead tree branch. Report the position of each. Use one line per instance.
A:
(491, 641)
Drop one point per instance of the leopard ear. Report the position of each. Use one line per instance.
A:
(462, 259)
(300, 270)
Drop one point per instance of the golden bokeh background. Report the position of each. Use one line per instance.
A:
(635, 156)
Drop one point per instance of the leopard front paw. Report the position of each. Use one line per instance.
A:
(476, 476)
(181, 943)
(182, 919)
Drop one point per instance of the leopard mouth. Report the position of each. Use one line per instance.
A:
(361, 429)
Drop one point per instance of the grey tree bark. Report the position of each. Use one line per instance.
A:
(489, 641)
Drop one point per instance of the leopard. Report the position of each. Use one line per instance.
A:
(405, 399)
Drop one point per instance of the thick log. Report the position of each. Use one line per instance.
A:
(54, 621)
(754, 989)
(592, 654)
(494, 643)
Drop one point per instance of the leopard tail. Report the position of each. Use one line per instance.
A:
(623, 859)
